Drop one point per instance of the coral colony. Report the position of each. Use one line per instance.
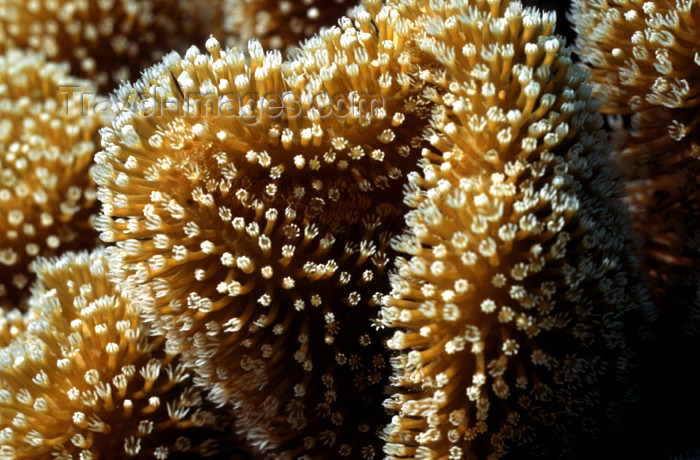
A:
(308, 229)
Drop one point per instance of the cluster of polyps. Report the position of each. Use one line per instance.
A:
(510, 311)
(83, 378)
(260, 250)
(645, 63)
(105, 40)
(252, 249)
(46, 194)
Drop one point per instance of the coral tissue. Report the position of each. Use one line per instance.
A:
(280, 24)
(404, 240)
(518, 297)
(258, 244)
(46, 148)
(85, 380)
(105, 40)
(645, 62)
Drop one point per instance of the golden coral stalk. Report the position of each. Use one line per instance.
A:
(85, 379)
(515, 309)
(105, 40)
(280, 24)
(46, 147)
(644, 63)
(646, 67)
(257, 239)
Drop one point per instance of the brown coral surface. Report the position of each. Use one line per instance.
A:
(280, 24)
(105, 40)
